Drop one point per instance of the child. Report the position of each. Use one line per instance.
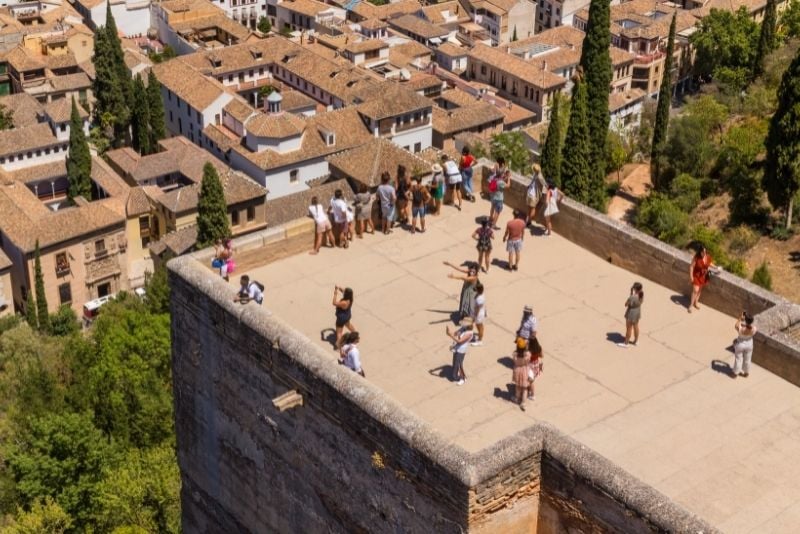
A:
(484, 236)
(551, 207)
(536, 365)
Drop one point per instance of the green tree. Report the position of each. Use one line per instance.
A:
(767, 39)
(30, 312)
(597, 72)
(6, 118)
(737, 166)
(264, 25)
(725, 40)
(661, 127)
(212, 212)
(576, 157)
(140, 117)
(616, 154)
(660, 217)
(112, 84)
(42, 314)
(782, 167)
(790, 20)
(554, 143)
(44, 517)
(60, 456)
(142, 492)
(684, 191)
(157, 290)
(511, 146)
(156, 112)
(121, 374)
(64, 322)
(514, 35)
(79, 160)
(762, 277)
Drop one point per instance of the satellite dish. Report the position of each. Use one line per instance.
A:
(405, 75)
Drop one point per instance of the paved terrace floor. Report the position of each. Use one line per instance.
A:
(725, 449)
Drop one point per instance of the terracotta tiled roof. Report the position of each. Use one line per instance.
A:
(434, 13)
(383, 12)
(5, 262)
(390, 100)
(61, 110)
(61, 61)
(530, 72)
(367, 162)
(365, 46)
(23, 139)
(138, 203)
(412, 49)
(241, 56)
(188, 83)
(295, 100)
(619, 100)
(309, 8)
(276, 126)
(70, 82)
(220, 137)
(176, 243)
(449, 49)
(214, 21)
(21, 59)
(373, 24)
(458, 97)
(417, 26)
(346, 123)
(24, 108)
(465, 118)
(239, 109)
(38, 173)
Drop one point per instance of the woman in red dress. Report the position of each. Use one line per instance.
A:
(698, 274)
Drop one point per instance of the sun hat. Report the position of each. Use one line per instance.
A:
(437, 168)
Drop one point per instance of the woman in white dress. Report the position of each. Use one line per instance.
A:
(554, 196)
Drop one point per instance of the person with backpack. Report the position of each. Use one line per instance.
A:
(466, 165)
(249, 290)
(453, 179)
(349, 355)
(536, 189)
(497, 187)
(437, 188)
(484, 235)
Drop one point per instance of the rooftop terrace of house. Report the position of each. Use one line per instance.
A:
(665, 411)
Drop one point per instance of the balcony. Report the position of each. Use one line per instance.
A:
(62, 269)
(646, 59)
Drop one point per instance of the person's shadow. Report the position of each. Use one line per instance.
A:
(680, 300)
(329, 335)
(722, 368)
(506, 361)
(443, 371)
(455, 317)
(507, 394)
(615, 337)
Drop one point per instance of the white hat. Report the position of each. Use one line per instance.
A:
(437, 168)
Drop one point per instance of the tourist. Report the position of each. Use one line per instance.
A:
(344, 312)
(223, 258)
(515, 233)
(527, 325)
(402, 188)
(453, 176)
(497, 187)
(461, 340)
(519, 376)
(351, 224)
(387, 198)
(552, 200)
(465, 165)
(633, 311)
(535, 367)
(323, 224)
(699, 274)
(466, 304)
(349, 355)
(249, 290)
(743, 346)
(480, 314)
(419, 196)
(484, 235)
(536, 189)
(339, 210)
(437, 188)
(363, 204)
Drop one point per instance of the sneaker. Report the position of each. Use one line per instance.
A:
(622, 345)
(522, 407)
(460, 382)
(532, 397)
(476, 343)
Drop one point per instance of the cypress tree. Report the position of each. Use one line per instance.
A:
(597, 73)
(140, 118)
(79, 160)
(766, 39)
(576, 158)
(157, 129)
(661, 124)
(781, 178)
(514, 36)
(42, 314)
(212, 212)
(30, 312)
(553, 145)
(110, 106)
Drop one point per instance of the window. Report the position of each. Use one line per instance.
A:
(170, 117)
(251, 213)
(63, 127)
(100, 247)
(235, 218)
(417, 147)
(293, 176)
(103, 290)
(62, 264)
(65, 293)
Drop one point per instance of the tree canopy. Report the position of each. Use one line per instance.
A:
(725, 44)
(767, 38)
(79, 159)
(660, 129)
(554, 143)
(511, 146)
(575, 161)
(212, 212)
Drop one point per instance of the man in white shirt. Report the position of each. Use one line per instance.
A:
(249, 291)
(453, 179)
(320, 216)
(339, 209)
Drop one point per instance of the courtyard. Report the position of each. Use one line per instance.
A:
(666, 411)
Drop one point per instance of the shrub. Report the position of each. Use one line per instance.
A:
(8, 322)
(781, 233)
(741, 239)
(64, 322)
(762, 276)
(713, 241)
(663, 219)
(685, 192)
